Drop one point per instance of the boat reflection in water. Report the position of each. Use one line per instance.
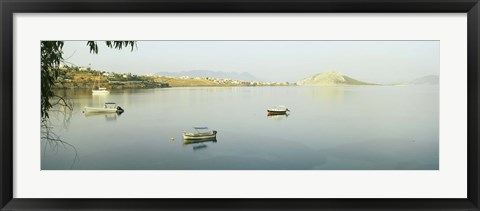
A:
(199, 144)
(277, 116)
(108, 117)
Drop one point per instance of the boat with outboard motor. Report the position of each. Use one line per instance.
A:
(107, 108)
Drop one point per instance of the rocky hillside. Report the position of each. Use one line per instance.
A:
(331, 78)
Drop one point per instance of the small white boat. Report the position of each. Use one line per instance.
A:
(108, 108)
(279, 110)
(100, 90)
(201, 133)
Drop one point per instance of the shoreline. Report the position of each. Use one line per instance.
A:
(225, 86)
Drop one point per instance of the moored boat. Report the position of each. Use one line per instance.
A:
(108, 108)
(201, 133)
(279, 110)
(100, 90)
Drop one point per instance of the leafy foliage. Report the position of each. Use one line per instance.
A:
(51, 56)
(111, 44)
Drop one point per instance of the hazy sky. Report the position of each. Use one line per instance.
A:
(370, 61)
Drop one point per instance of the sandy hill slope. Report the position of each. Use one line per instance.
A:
(331, 78)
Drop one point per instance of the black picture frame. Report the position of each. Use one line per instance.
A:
(9, 7)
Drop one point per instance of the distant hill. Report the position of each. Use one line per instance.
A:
(211, 74)
(331, 78)
(426, 80)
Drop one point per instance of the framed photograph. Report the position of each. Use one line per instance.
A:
(227, 105)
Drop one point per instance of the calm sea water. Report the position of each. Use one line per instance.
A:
(336, 128)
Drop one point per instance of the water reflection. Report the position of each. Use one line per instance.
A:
(51, 142)
(199, 147)
(333, 95)
(277, 116)
(187, 142)
(108, 117)
(403, 154)
(199, 144)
